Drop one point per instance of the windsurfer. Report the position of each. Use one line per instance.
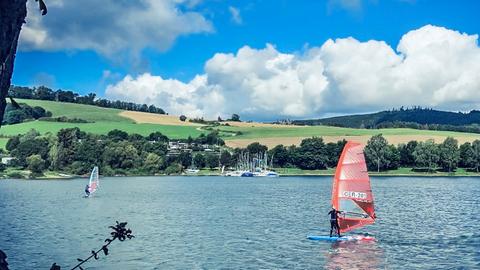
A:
(334, 221)
(87, 191)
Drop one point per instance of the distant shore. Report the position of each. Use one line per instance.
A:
(401, 172)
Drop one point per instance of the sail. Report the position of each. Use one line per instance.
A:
(94, 180)
(351, 190)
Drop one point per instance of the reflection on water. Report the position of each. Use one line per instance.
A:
(354, 255)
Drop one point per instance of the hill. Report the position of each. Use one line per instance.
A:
(104, 120)
(416, 117)
(235, 134)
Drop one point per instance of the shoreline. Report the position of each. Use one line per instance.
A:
(52, 175)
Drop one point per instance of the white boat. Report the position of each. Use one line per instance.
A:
(192, 171)
(266, 173)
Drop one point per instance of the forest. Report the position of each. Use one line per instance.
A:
(119, 153)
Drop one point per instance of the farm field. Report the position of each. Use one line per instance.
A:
(236, 134)
(105, 120)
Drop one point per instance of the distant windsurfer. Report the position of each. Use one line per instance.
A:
(87, 191)
(334, 221)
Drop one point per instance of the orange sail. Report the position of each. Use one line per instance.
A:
(351, 190)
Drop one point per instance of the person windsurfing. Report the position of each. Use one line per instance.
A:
(87, 191)
(334, 221)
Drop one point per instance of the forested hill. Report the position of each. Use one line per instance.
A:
(421, 118)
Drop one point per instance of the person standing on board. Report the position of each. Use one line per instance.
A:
(87, 192)
(334, 221)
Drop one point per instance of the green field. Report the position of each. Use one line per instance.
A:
(105, 119)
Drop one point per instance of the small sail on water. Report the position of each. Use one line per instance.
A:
(94, 181)
(351, 190)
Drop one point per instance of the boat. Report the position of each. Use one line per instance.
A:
(247, 174)
(192, 171)
(93, 182)
(352, 193)
(266, 173)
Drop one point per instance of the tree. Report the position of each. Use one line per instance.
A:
(225, 158)
(312, 154)
(449, 154)
(376, 152)
(117, 135)
(12, 14)
(406, 153)
(334, 150)
(185, 159)
(256, 148)
(182, 118)
(475, 161)
(392, 158)
(15, 117)
(212, 161)
(12, 143)
(44, 93)
(466, 155)
(426, 155)
(174, 168)
(37, 146)
(156, 147)
(65, 150)
(235, 117)
(36, 164)
(121, 155)
(280, 156)
(199, 161)
(157, 137)
(153, 163)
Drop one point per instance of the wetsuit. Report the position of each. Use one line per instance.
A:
(87, 191)
(334, 222)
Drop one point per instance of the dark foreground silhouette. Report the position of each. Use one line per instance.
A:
(120, 232)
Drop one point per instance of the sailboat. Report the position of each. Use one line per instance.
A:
(94, 181)
(352, 193)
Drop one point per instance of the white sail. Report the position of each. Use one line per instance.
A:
(94, 181)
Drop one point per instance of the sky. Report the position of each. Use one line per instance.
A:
(264, 59)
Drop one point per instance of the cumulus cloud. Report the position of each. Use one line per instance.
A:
(431, 66)
(111, 26)
(235, 12)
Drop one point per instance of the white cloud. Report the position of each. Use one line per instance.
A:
(236, 17)
(431, 66)
(111, 26)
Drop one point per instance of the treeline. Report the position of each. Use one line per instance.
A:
(116, 153)
(315, 154)
(13, 115)
(45, 93)
(415, 117)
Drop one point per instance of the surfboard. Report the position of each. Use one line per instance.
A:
(343, 238)
(327, 238)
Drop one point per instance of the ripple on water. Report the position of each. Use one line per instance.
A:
(233, 223)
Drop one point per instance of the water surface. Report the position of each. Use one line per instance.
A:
(237, 223)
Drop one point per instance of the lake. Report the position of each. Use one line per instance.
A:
(237, 223)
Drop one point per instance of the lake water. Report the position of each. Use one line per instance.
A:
(237, 223)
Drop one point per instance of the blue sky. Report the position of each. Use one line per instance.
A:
(182, 51)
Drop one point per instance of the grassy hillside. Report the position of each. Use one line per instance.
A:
(105, 119)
